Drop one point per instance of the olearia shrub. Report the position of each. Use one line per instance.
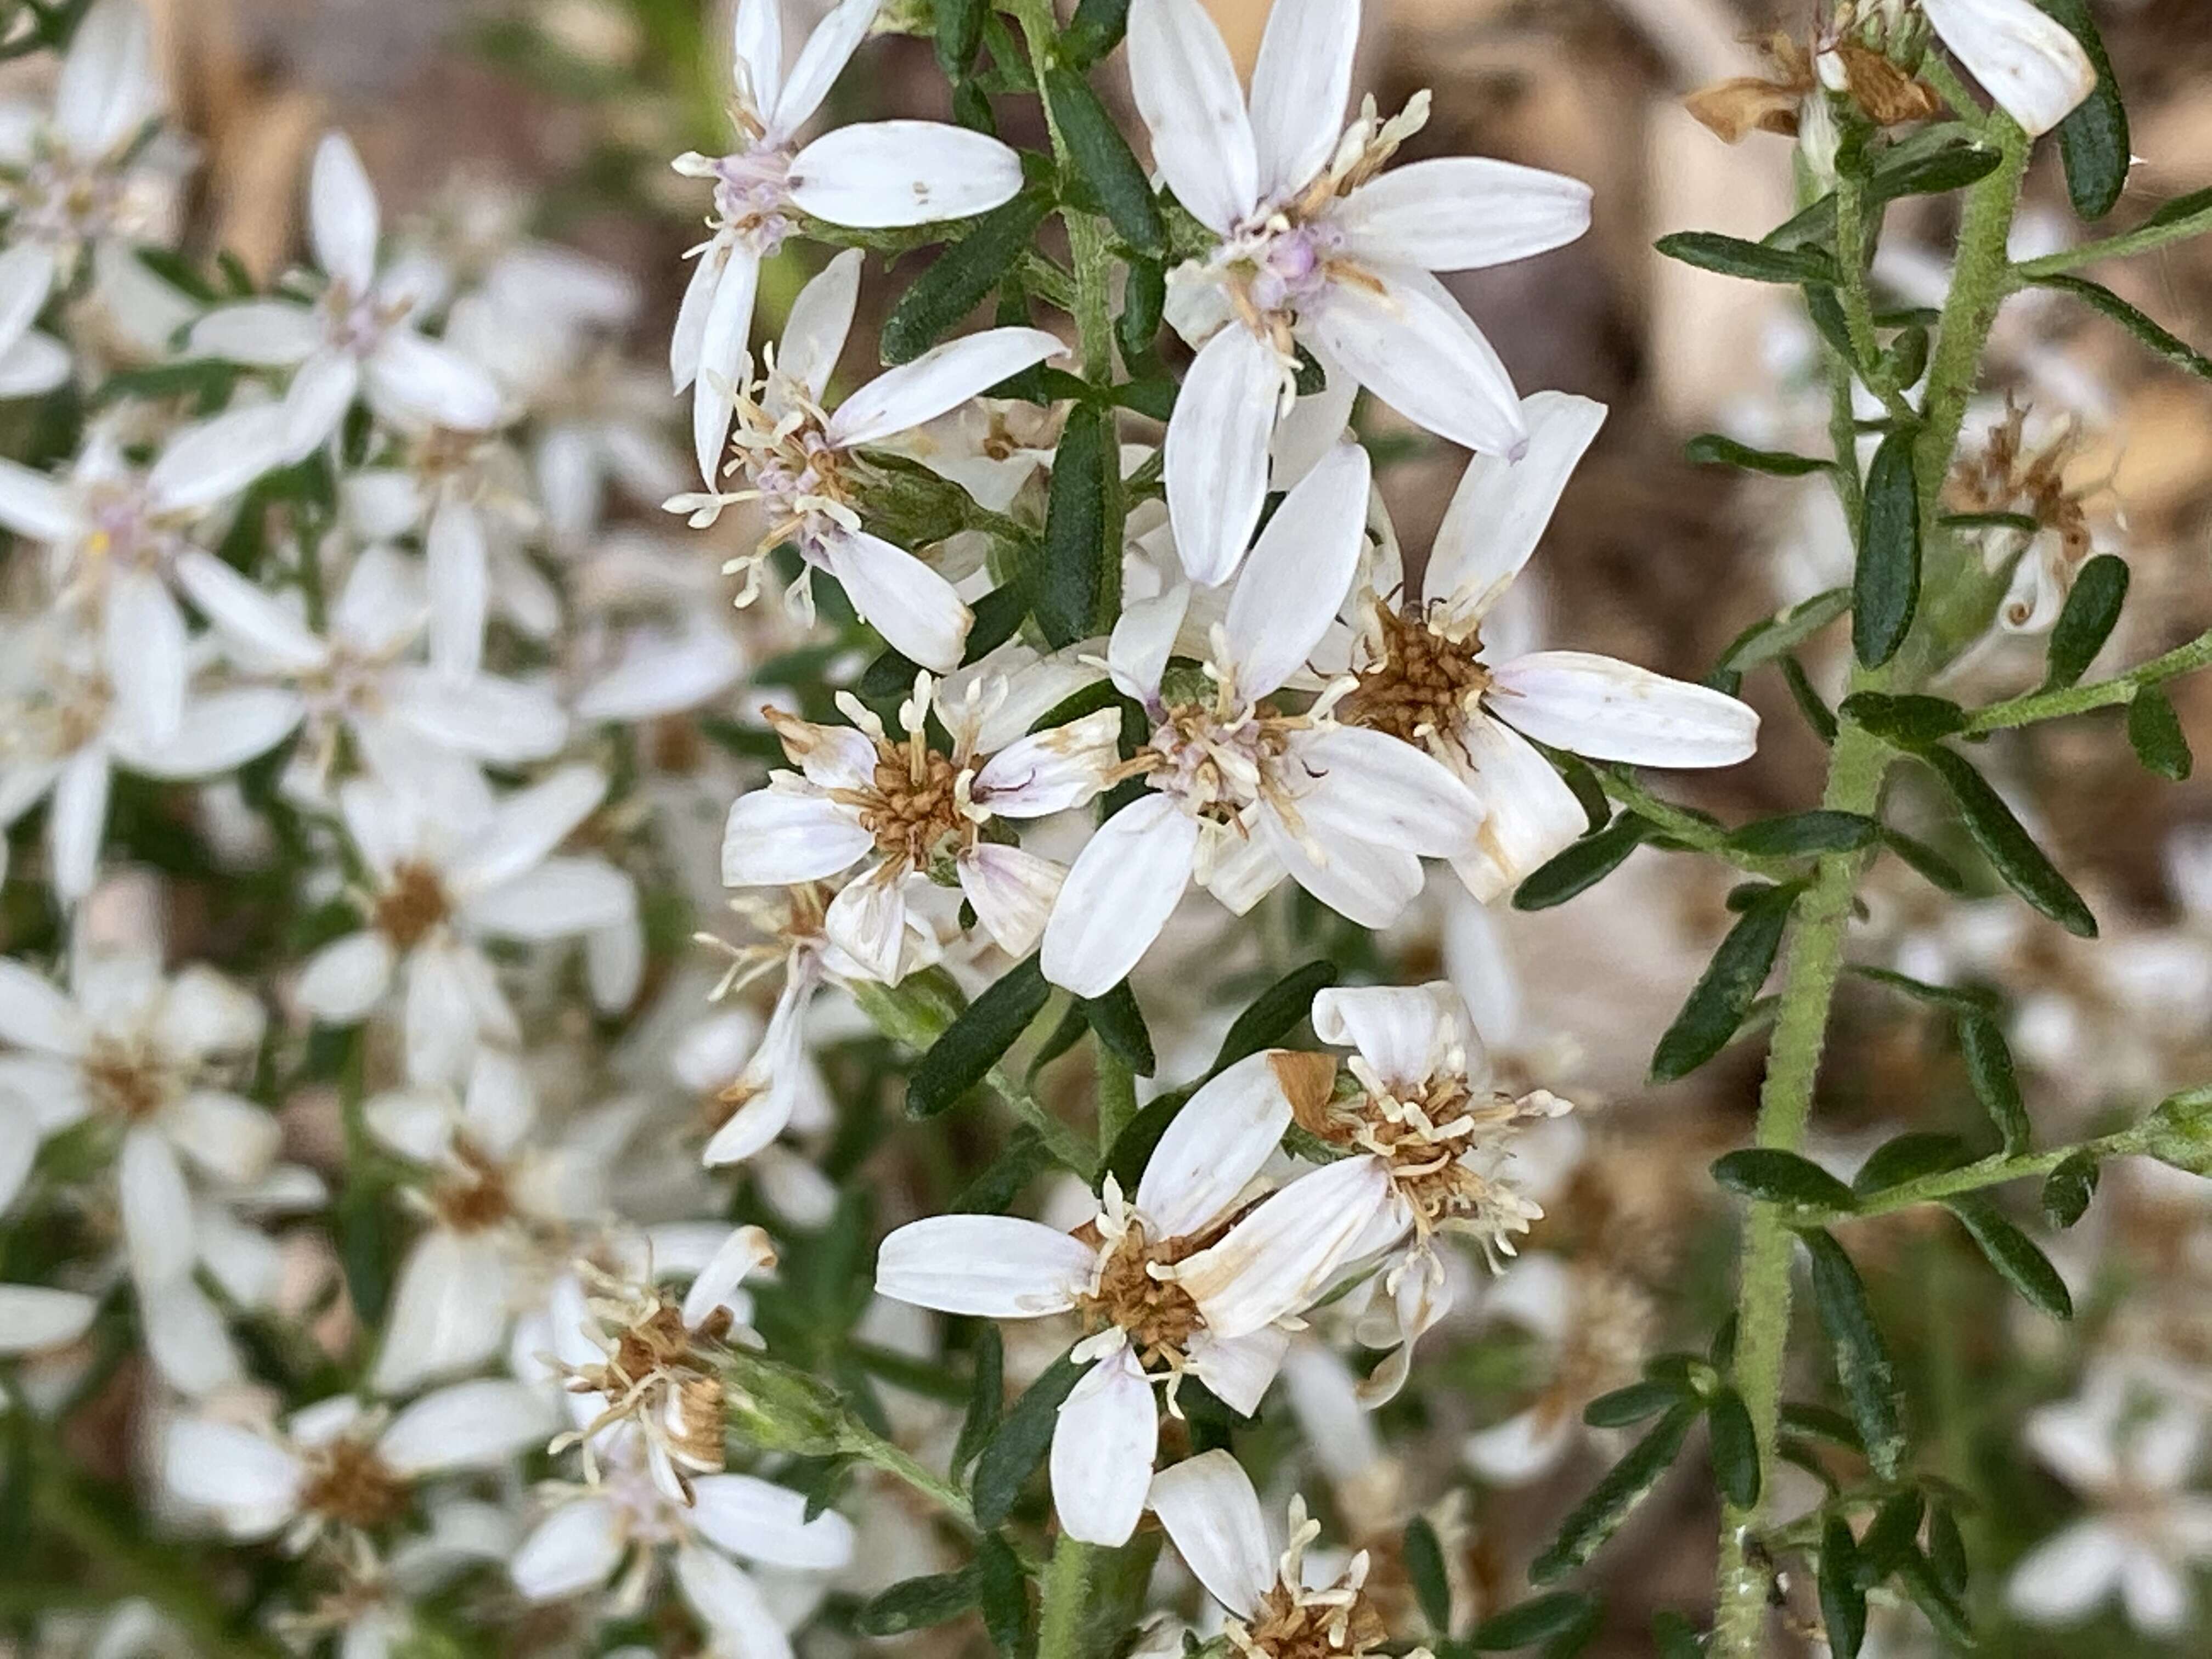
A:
(572, 1073)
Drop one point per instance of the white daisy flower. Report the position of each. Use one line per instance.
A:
(2025, 58)
(342, 1464)
(362, 336)
(1145, 1277)
(711, 1062)
(800, 464)
(452, 866)
(1238, 792)
(920, 814)
(1422, 675)
(1315, 245)
(1212, 1514)
(872, 175)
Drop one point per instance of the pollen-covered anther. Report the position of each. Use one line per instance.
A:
(1157, 1313)
(347, 1482)
(1418, 683)
(1294, 1620)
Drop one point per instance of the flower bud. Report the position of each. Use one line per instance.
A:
(780, 1409)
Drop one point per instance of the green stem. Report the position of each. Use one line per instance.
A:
(2100, 694)
(2143, 240)
(1993, 1172)
(1117, 1097)
(1679, 823)
(1854, 247)
(865, 1443)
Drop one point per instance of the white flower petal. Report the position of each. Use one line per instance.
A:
(1406, 340)
(777, 837)
(730, 1604)
(821, 61)
(721, 366)
(247, 613)
(1212, 1515)
(1611, 710)
(1283, 1255)
(322, 391)
(758, 1521)
(1215, 454)
(143, 646)
(529, 824)
(347, 978)
(76, 821)
(501, 1106)
(735, 1260)
(229, 1468)
(484, 717)
(225, 1134)
(448, 1314)
(916, 610)
(438, 1017)
(1462, 213)
(35, 1014)
(1404, 1031)
(2154, 1593)
(1102, 1448)
(1118, 893)
(560, 898)
(997, 1266)
(1299, 573)
(157, 1211)
(1052, 770)
(1522, 1448)
(1349, 783)
(456, 561)
(757, 53)
(108, 87)
(1186, 89)
(2026, 59)
(1528, 812)
(32, 365)
(185, 1340)
(27, 277)
(1242, 1369)
(411, 378)
(687, 337)
(575, 1549)
(1213, 1148)
(18, 1140)
(1299, 84)
(258, 333)
(1012, 891)
(882, 175)
(2068, 1575)
(1499, 512)
(1361, 881)
(1144, 639)
(341, 216)
(34, 506)
(820, 317)
(219, 732)
(33, 1317)
(941, 378)
(478, 1424)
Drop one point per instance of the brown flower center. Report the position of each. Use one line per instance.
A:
(913, 807)
(1157, 1314)
(127, 1079)
(349, 1483)
(1291, 1625)
(475, 1197)
(1418, 684)
(413, 905)
(662, 1372)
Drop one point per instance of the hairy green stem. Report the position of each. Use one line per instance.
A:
(1680, 824)
(2144, 239)
(865, 1443)
(2098, 694)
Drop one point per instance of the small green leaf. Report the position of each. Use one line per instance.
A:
(2160, 340)
(1120, 1023)
(959, 31)
(1674, 1637)
(1018, 1444)
(1817, 1422)
(1632, 1404)
(1754, 262)
(1906, 721)
(1627, 1483)
(993, 1191)
(1863, 1365)
(1941, 1610)
(1955, 999)
(1724, 993)
(1886, 583)
(1946, 1550)
(1002, 1591)
(1581, 865)
(1537, 1620)
(1889, 1536)
(2092, 610)
(998, 613)
(2027, 523)
(2009, 849)
(976, 1040)
(1274, 1013)
(1931, 866)
(1095, 30)
(1800, 835)
(1996, 1085)
(1842, 1602)
(1735, 1448)
(2154, 733)
(177, 271)
(1424, 1565)
(917, 1603)
(2190, 214)
(1817, 714)
(1067, 603)
(1144, 298)
(1774, 1177)
(1763, 641)
(987, 1396)
(1909, 1156)
(2068, 1189)
(1713, 449)
(2013, 1254)
(1921, 167)
(956, 282)
(2092, 139)
(1102, 157)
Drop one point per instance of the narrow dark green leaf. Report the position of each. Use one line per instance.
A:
(1907, 357)
(1843, 1603)
(1800, 835)
(1908, 721)
(2160, 340)
(998, 613)
(1863, 1365)
(987, 1396)
(993, 1190)
(1632, 1404)
(1274, 1013)
(2154, 733)
(1817, 714)
(1955, 999)
(1724, 993)
(1931, 866)
(917, 1603)
(1946, 1550)
(2013, 1254)
(1144, 297)
(2091, 609)
(1424, 1565)
(1627, 1483)
(1996, 1085)
(1580, 866)
(1095, 30)
(1774, 1177)
(1066, 602)
(1002, 1589)
(1720, 1352)
(1675, 1637)
(1120, 1023)
(1934, 173)
(974, 1043)
(1941, 1610)
(957, 280)
(1820, 1422)
(1713, 449)
(2027, 523)
(959, 31)
(1537, 1620)
(1886, 583)
(2009, 849)
(1754, 262)
(1734, 1446)
(1132, 1148)
(1019, 1443)
(2068, 1189)
(1102, 156)
(1907, 1158)
(971, 108)
(2093, 140)
(1890, 1536)
(1763, 641)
